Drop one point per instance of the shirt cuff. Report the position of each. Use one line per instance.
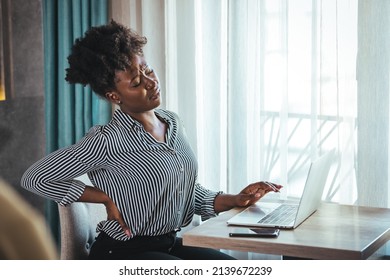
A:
(208, 211)
(74, 193)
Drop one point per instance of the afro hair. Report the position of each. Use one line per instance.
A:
(102, 51)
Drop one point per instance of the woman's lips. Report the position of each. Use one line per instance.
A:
(155, 95)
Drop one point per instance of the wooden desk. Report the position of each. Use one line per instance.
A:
(332, 232)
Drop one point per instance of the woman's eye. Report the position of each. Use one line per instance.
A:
(148, 71)
(145, 71)
(136, 82)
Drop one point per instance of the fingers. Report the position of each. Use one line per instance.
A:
(263, 186)
(252, 193)
(113, 213)
(125, 229)
(123, 225)
(273, 187)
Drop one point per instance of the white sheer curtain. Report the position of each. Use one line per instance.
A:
(265, 86)
(289, 88)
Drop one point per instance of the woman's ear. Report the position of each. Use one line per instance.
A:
(113, 97)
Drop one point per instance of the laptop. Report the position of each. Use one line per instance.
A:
(289, 215)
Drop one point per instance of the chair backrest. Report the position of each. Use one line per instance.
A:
(78, 228)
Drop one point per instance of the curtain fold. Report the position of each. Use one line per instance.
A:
(373, 78)
(70, 109)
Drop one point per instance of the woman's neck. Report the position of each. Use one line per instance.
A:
(152, 124)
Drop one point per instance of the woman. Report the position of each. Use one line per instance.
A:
(140, 164)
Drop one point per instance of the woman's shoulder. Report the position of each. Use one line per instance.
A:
(101, 132)
(95, 135)
(98, 130)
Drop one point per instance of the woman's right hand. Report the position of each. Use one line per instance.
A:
(95, 195)
(114, 214)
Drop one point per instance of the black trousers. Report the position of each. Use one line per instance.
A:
(163, 247)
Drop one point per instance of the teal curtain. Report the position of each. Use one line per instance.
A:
(70, 109)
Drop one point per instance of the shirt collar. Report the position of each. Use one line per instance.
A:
(124, 119)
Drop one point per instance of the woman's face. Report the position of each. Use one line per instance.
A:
(137, 88)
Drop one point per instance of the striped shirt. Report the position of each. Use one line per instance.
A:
(153, 184)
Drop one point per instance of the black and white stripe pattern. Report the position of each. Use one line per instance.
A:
(152, 183)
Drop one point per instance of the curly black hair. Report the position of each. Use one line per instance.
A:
(102, 51)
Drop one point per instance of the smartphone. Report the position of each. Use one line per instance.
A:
(255, 232)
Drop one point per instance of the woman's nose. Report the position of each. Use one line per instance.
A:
(149, 83)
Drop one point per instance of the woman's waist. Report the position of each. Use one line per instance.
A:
(115, 231)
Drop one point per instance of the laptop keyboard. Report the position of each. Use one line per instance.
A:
(284, 214)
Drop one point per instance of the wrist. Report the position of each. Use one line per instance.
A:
(224, 202)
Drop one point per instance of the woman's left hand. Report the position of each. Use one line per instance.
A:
(253, 192)
(248, 196)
